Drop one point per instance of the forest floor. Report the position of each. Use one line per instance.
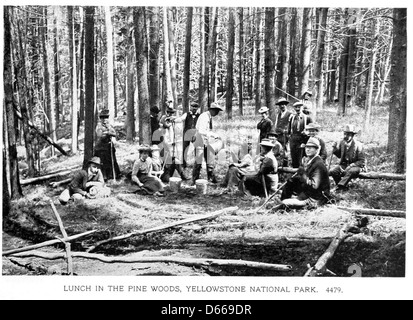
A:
(296, 237)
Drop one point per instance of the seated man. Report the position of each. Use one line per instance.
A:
(311, 130)
(87, 183)
(265, 181)
(311, 183)
(352, 159)
(278, 149)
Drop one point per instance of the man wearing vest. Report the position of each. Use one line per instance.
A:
(281, 122)
(189, 120)
(296, 126)
(352, 159)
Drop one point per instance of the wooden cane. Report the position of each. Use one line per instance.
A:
(331, 158)
(265, 186)
(111, 157)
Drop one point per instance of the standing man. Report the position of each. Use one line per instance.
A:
(202, 144)
(311, 184)
(281, 122)
(352, 159)
(105, 149)
(307, 104)
(296, 126)
(189, 120)
(265, 124)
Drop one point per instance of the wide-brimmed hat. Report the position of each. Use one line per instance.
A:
(350, 128)
(155, 109)
(95, 160)
(144, 147)
(263, 109)
(104, 113)
(312, 126)
(170, 110)
(267, 143)
(297, 104)
(313, 142)
(215, 106)
(194, 105)
(282, 101)
(155, 147)
(272, 133)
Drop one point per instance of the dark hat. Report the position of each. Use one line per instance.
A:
(313, 126)
(308, 92)
(350, 128)
(170, 110)
(272, 133)
(194, 105)
(313, 142)
(267, 143)
(215, 106)
(104, 113)
(95, 160)
(282, 101)
(298, 103)
(155, 109)
(144, 147)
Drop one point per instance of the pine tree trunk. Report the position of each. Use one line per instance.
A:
(293, 49)
(172, 57)
(369, 98)
(130, 88)
(398, 86)
(56, 68)
(187, 61)
(90, 122)
(230, 62)
(139, 19)
(167, 68)
(240, 60)
(305, 51)
(73, 77)
(109, 64)
(269, 57)
(15, 188)
(202, 47)
(154, 76)
(257, 66)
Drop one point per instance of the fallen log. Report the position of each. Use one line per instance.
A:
(164, 227)
(362, 175)
(162, 259)
(45, 177)
(321, 266)
(376, 212)
(47, 243)
(59, 183)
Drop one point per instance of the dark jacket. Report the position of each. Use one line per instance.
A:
(79, 180)
(354, 154)
(315, 179)
(293, 128)
(264, 126)
(323, 151)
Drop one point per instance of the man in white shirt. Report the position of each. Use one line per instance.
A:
(202, 144)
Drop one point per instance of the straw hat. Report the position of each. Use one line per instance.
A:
(297, 104)
(267, 143)
(282, 101)
(263, 109)
(312, 126)
(155, 147)
(215, 106)
(144, 147)
(350, 128)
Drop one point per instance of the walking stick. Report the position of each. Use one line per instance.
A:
(111, 158)
(329, 163)
(265, 186)
(275, 192)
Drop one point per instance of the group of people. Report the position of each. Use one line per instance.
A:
(290, 140)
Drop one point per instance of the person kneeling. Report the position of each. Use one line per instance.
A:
(311, 184)
(87, 183)
(142, 173)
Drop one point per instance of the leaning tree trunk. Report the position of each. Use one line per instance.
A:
(398, 87)
(230, 62)
(89, 84)
(14, 180)
(269, 55)
(141, 43)
(187, 61)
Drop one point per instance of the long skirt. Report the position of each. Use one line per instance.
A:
(108, 155)
(151, 183)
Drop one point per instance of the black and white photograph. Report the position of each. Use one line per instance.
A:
(190, 150)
